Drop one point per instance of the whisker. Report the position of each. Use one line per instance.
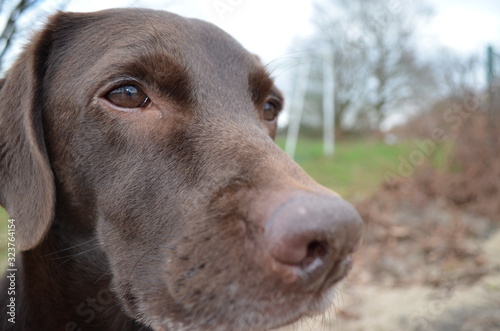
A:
(106, 273)
(71, 247)
(76, 255)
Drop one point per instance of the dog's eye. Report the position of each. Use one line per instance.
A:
(271, 110)
(128, 96)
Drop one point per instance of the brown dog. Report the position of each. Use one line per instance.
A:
(137, 162)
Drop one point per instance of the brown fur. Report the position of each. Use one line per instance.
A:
(171, 218)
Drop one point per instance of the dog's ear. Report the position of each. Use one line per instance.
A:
(26, 181)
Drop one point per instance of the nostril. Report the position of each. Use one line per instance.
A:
(316, 252)
(310, 237)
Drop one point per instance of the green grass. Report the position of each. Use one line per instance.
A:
(3, 216)
(357, 167)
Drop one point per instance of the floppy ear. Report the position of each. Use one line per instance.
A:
(26, 181)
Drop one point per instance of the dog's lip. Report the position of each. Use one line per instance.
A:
(295, 307)
(311, 304)
(313, 300)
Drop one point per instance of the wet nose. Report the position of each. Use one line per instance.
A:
(313, 236)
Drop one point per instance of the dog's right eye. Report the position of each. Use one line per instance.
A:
(128, 96)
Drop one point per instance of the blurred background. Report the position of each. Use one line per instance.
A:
(396, 106)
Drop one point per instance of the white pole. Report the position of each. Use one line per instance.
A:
(296, 108)
(328, 106)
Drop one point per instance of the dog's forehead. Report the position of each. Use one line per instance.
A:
(152, 44)
(188, 40)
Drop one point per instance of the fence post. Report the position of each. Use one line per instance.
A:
(328, 105)
(490, 66)
(297, 107)
(493, 91)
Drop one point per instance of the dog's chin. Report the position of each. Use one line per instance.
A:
(272, 318)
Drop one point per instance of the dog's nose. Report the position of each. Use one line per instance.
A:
(312, 236)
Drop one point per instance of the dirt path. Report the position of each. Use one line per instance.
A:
(448, 308)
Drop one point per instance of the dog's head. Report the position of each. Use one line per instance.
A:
(154, 133)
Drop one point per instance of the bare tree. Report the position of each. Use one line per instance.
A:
(11, 28)
(377, 66)
(14, 29)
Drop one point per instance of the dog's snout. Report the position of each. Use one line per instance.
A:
(313, 236)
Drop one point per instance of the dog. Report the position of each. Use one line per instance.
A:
(138, 168)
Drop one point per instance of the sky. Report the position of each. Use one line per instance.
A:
(467, 25)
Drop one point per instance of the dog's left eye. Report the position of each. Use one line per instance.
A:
(271, 110)
(128, 96)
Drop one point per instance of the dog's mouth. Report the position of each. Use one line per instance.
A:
(274, 309)
(320, 290)
(267, 317)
